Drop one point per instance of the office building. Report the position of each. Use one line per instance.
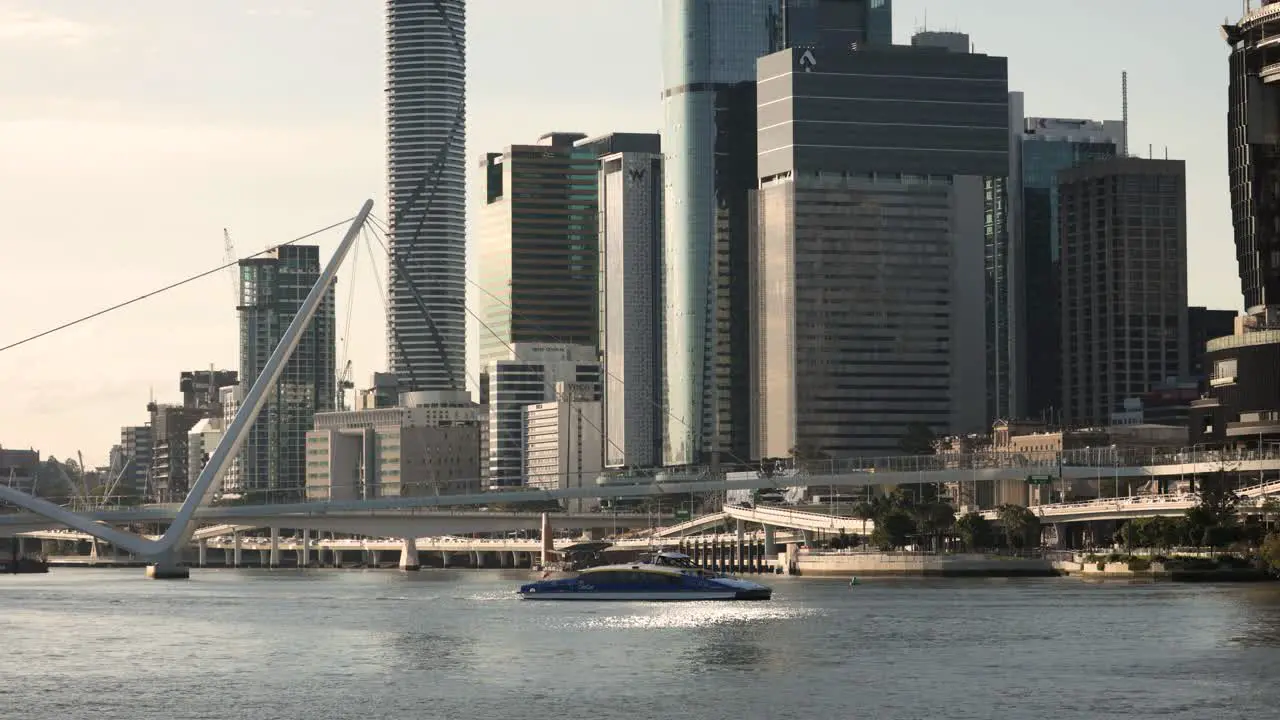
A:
(425, 446)
(1253, 124)
(538, 254)
(630, 239)
(202, 438)
(426, 186)
(200, 388)
(1024, 336)
(563, 442)
(272, 288)
(135, 466)
(1243, 407)
(168, 477)
(1204, 325)
(1123, 235)
(19, 469)
(710, 49)
(868, 259)
(528, 376)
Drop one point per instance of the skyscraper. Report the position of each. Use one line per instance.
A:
(1253, 126)
(272, 288)
(1243, 406)
(1124, 282)
(426, 178)
(710, 48)
(870, 239)
(1022, 259)
(630, 229)
(537, 250)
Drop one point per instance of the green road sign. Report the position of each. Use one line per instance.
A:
(1039, 479)
(682, 514)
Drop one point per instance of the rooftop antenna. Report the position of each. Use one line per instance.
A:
(1124, 112)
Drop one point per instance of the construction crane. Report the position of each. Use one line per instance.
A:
(343, 385)
(229, 256)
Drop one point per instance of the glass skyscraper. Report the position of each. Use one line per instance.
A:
(1024, 329)
(710, 48)
(272, 463)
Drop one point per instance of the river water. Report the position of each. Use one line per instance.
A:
(329, 644)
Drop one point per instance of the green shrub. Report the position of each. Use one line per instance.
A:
(1137, 564)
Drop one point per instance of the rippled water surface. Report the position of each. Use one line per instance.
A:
(457, 644)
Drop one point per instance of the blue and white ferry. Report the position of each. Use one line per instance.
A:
(666, 576)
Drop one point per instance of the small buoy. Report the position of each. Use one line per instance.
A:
(853, 581)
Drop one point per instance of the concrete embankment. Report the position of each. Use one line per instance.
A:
(864, 564)
(1092, 567)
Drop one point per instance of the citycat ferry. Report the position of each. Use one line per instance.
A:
(666, 576)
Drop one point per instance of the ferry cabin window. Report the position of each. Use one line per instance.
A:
(622, 577)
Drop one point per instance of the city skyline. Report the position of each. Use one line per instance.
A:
(236, 167)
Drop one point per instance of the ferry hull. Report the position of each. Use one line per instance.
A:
(677, 596)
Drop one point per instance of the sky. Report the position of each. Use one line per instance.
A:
(132, 133)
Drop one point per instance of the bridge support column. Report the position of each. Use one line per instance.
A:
(304, 550)
(409, 555)
(547, 540)
(167, 567)
(237, 553)
(515, 558)
(274, 560)
(739, 546)
(202, 550)
(771, 541)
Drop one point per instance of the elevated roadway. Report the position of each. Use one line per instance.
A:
(372, 522)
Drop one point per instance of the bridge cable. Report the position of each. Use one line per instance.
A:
(166, 288)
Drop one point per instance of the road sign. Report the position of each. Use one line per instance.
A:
(1039, 479)
(682, 514)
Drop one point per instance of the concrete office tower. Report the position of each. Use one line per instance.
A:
(630, 229)
(563, 444)
(538, 258)
(709, 54)
(426, 445)
(1124, 282)
(426, 179)
(1024, 335)
(272, 288)
(529, 376)
(868, 264)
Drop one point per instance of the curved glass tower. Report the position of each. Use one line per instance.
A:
(426, 177)
(709, 53)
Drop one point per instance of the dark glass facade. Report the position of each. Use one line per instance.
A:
(539, 254)
(1253, 137)
(1041, 254)
(273, 461)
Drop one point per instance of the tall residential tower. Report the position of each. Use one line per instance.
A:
(426, 178)
(272, 288)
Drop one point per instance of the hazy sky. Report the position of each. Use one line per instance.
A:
(133, 131)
